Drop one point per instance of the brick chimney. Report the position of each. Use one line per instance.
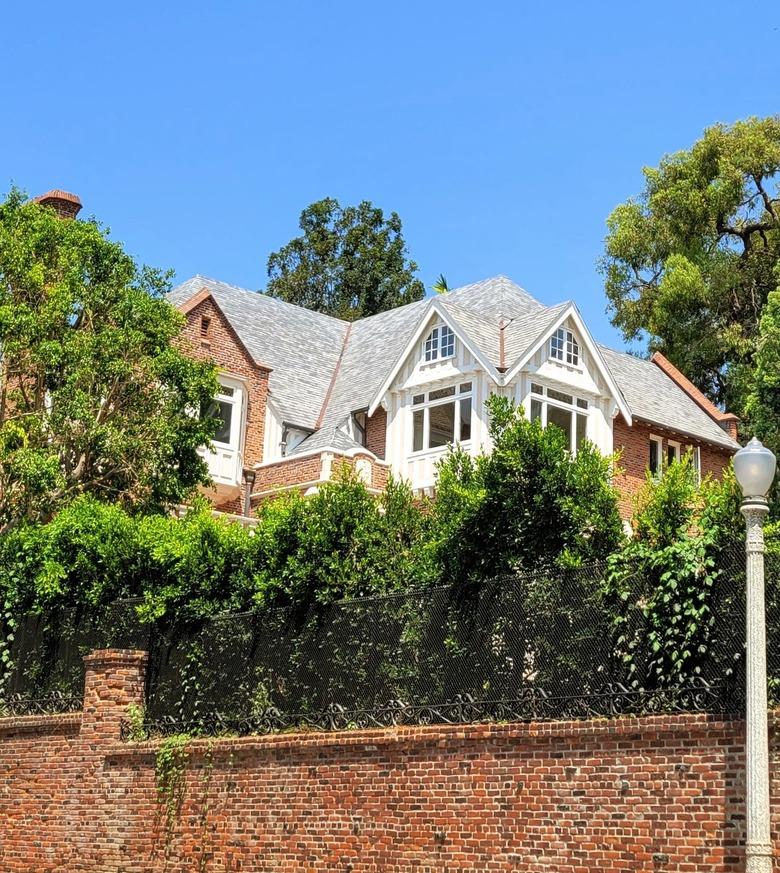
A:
(65, 204)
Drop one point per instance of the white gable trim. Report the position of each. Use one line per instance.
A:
(434, 309)
(572, 312)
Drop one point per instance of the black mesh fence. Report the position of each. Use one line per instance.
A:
(529, 646)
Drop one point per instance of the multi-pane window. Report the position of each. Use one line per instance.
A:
(441, 417)
(564, 347)
(439, 344)
(672, 451)
(569, 413)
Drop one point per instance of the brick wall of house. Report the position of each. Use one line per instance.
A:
(661, 793)
(634, 445)
(376, 433)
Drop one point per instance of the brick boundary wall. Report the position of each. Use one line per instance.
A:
(661, 793)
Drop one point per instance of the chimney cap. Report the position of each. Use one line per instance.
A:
(66, 204)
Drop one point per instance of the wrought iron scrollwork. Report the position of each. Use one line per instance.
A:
(55, 702)
(532, 704)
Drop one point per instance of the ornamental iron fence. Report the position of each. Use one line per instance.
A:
(555, 645)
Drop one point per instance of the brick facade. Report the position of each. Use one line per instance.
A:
(654, 794)
(208, 335)
(633, 443)
(376, 433)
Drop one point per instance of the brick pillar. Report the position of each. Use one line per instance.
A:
(115, 678)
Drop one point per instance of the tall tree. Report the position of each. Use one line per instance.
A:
(95, 396)
(349, 262)
(690, 263)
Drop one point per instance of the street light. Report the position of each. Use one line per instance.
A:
(754, 467)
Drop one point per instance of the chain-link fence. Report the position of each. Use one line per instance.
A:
(531, 646)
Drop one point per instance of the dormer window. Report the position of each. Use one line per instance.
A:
(440, 344)
(564, 347)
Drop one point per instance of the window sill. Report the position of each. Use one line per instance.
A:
(439, 450)
(573, 368)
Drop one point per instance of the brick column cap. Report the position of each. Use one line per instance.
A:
(121, 657)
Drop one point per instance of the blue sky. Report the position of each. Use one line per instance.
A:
(503, 133)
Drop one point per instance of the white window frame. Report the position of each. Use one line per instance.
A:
(659, 442)
(676, 448)
(426, 406)
(572, 407)
(236, 399)
(439, 344)
(696, 462)
(564, 347)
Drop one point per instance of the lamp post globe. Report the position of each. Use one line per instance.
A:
(754, 468)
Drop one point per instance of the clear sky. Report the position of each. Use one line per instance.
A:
(503, 133)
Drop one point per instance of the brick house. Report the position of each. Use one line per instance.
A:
(301, 392)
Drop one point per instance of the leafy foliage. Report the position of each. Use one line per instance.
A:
(349, 262)
(528, 504)
(95, 396)
(692, 261)
(669, 574)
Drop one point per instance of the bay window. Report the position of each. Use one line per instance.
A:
(569, 413)
(441, 417)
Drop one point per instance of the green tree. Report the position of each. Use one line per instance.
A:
(350, 262)
(95, 395)
(691, 261)
(529, 504)
(763, 400)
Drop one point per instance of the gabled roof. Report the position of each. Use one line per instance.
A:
(656, 398)
(323, 369)
(301, 347)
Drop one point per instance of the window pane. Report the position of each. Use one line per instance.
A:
(226, 390)
(583, 404)
(223, 411)
(654, 461)
(442, 392)
(536, 410)
(465, 419)
(419, 424)
(442, 425)
(536, 389)
(447, 343)
(465, 386)
(557, 343)
(432, 345)
(418, 398)
(671, 453)
(572, 349)
(559, 395)
(562, 419)
(582, 429)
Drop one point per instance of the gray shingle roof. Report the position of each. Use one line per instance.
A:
(653, 396)
(311, 353)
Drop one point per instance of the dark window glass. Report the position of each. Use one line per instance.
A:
(582, 429)
(559, 395)
(560, 418)
(536, 410)
(655, 460)
(419, 424)
(442, 392)
(418, 398)
(671, 453)
(441, 424)
(465, 419)
(536, 389)
(583, 404)
(223, 412)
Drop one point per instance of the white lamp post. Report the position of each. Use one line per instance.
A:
(754, 467)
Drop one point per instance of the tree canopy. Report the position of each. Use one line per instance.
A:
(349, 262)
(95, 396)
(690, 263)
